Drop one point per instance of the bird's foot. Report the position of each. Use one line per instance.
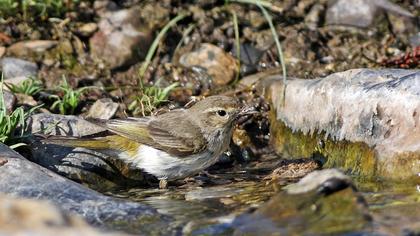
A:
(163, 183)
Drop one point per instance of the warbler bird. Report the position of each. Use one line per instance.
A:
(170, 146)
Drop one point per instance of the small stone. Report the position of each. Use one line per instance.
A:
(14, 67)
(3, 161)
(123, 38)
(103, 108)
(360, 13)
(312, 19)
(104, 6)
(2, 51)
(9, 101)
(25, 49)
(87, 30)
(24, 99)
(221, 66)
(415, 40)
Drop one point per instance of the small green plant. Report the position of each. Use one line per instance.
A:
(35, 8)
(68, 99)
(10, 122)
(8, 7)
(149, 98)
(30, 87)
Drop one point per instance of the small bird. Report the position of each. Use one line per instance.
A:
(170, 146)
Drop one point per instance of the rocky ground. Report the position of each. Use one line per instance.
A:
(112, 59)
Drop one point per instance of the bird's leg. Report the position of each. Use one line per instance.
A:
(163, 183)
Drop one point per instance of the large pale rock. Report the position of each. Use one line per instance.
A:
(95, 169)
(30, 217)
(22, 178)
(366, 121)
(123, 38)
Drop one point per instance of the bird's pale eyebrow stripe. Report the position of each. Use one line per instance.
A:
(213, 109)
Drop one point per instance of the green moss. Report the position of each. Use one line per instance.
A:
(358, 158)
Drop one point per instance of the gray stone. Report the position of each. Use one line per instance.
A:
(9, 100)
(103, 108)
(415, 40)
(360, 13)
(123, 39)
(21, 178)
(95, 169)
(363, 120)
(15, 67)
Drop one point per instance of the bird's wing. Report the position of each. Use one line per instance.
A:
(170, 132)
(177, 133)
(133, 128)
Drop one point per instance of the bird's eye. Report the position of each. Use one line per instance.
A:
(221, 112)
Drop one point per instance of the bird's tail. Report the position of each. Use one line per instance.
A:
(90, 143)
(110, 142)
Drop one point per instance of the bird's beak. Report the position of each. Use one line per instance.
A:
(247, 110)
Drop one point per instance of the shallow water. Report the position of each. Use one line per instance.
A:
(394, 207)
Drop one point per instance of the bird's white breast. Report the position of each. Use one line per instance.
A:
(165, 166)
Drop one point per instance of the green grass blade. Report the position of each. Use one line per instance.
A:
(156, 42)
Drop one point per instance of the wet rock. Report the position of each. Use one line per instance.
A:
(9, 100)
(13, 68)
(293, 170)
(122, 39)
(221, 66)
(22, 178)
(362, 120)
(328, 205)
(31, 217)
(310, 211)
(103, 108)
(328, 180)
(360, 13)
(94, 169)
(30, 49)
(87, 30)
